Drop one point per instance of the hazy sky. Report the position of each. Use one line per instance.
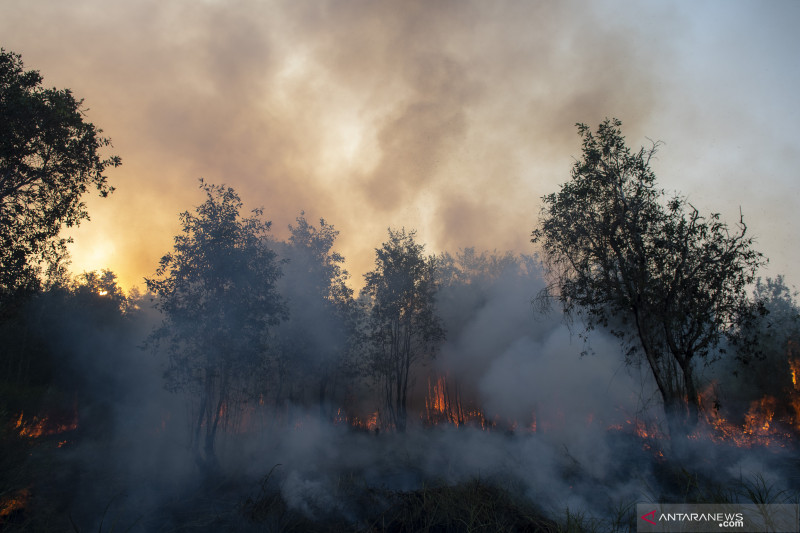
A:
(451, 117)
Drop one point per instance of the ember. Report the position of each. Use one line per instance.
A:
(46, 425)
(14, 502)
(371, 422)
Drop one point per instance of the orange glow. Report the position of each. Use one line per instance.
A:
(794, 366)
(758, 428)
(445, 406)
(46, 426)
(14, 502)
(371, 423)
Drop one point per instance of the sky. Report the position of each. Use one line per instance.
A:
(449, 117)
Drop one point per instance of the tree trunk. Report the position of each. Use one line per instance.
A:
(211, 435)
(692, 398)
(678, 393)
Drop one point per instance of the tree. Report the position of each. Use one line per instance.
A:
(55, 330)
(102, 286)
(49, 158)
(217, 292)
(623, 255)
(768, 345)
(478, 292)
(404, 327)
(313, 342)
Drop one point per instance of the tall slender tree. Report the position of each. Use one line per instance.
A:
(313, 342)
(218, 296)
(404, 327)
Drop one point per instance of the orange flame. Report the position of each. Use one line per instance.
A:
(444, 407)
(45, 426)
(16, 501)
(758, 428)
(370, 423)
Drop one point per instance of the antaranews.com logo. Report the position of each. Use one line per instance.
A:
(700, 518)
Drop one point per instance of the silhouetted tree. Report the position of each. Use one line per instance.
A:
(623, 255)
(49, 158)
(313, 342)
(404, 328)
(217, 293)
(56, 327)
(101, 286)
(768, 345)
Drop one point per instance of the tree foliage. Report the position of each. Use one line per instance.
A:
(42, 339)
(405, 329)
(769, 356)
(217, 291)
(49, 158)
(313, 343)
(624, 255)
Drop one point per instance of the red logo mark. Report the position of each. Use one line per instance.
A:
(651, 513)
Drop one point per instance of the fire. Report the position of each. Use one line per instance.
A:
(794, 362)
(794, 367)
(437, 404)
(437, 400)
(758, 428)
(16, 501)
(640, 428)
(647, 430)
(371, 422)
(46, 426)
(443, 406)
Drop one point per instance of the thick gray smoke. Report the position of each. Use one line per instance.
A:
(453, 117)
(513, 364)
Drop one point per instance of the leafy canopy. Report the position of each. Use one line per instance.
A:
(622, 254)
(217, 290)
(49, 158)
(404, 326)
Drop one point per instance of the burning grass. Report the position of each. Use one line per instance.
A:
(768, 422)
(361, 501)
(12, 504)
(46, 425)
(428, 503)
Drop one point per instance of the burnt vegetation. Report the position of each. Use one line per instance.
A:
(250, 388)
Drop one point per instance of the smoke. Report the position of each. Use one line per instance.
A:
(451, 117)
(132, 456)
